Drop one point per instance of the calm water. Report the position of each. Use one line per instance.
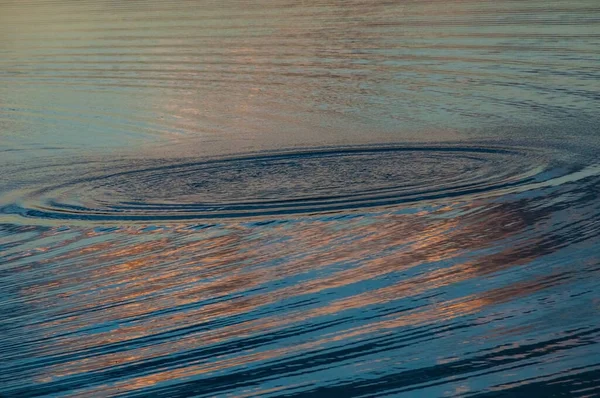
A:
(300, 198)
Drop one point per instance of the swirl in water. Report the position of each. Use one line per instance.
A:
(314, 181)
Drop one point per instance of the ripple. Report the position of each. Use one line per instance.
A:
(454, 253)
(376, 302)
(315, 181)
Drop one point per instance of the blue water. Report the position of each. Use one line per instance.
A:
(317, 198)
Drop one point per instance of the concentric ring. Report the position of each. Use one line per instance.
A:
(287, 183)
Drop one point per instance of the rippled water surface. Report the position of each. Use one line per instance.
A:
(300, 198)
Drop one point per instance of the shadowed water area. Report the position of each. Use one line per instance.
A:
(300, 198)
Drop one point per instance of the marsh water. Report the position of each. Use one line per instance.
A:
(300, 198)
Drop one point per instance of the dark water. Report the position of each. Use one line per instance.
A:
(300, 198)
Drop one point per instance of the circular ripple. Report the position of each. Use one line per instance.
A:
(280, 184)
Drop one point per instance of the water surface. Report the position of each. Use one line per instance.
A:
(315, 198)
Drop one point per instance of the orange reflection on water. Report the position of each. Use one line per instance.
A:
(462, 307)
(135, 285)
(164, 277)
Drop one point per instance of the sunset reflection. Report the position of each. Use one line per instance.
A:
(166, 286)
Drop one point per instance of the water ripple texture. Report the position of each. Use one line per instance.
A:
(489, 296)
(280, 184)
(280, 198)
